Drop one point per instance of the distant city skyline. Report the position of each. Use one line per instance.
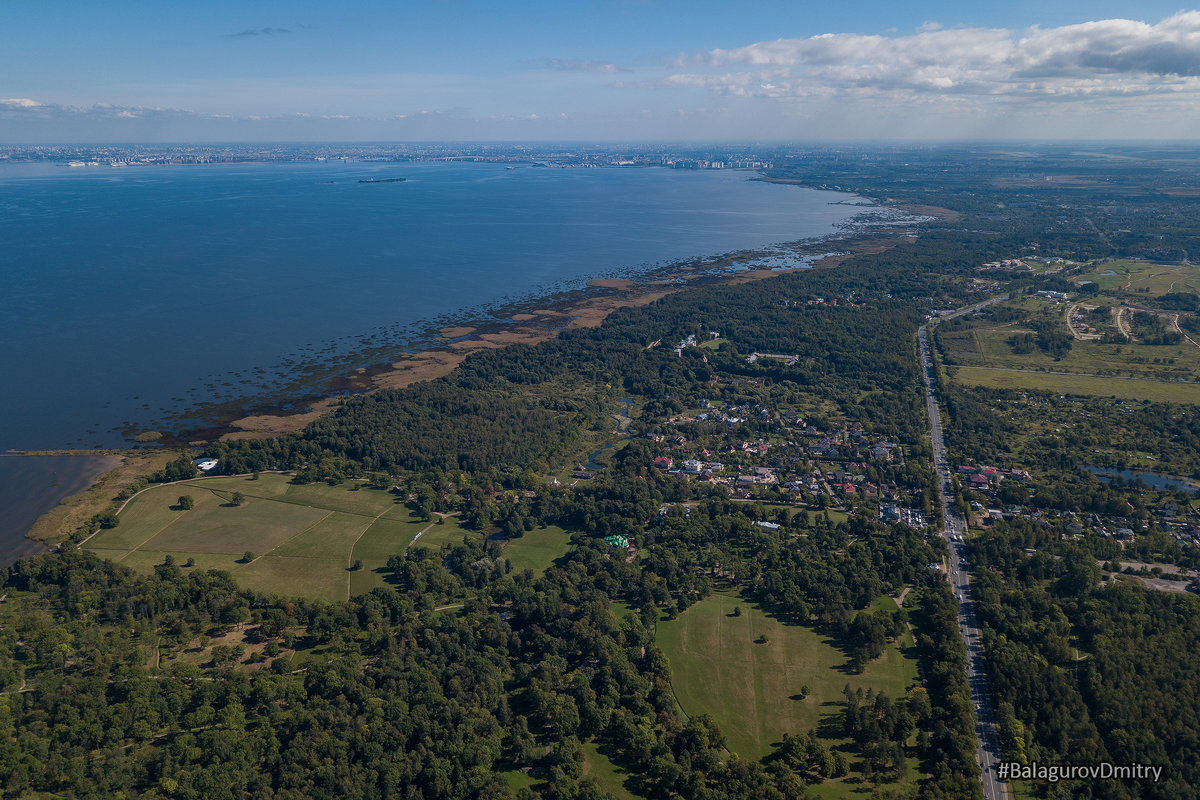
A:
(605, 70)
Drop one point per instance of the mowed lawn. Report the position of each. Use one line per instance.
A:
(753, 690)
(537, 549)
(304, 538)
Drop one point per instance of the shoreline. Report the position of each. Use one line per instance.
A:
(41, 490)
(537, 320)
(531, 321)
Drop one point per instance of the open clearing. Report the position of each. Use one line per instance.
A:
(1134, 275)
(1094, 385)
(538, 548)
(988, 346)
(753, 689)
(304, 537)
(1017, 336)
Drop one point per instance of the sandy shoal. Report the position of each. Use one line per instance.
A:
(530, 328)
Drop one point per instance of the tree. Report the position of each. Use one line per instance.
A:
(186, 503)
(247, 557)
(238, 498)
(357, 565)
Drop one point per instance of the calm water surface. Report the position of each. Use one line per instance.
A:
(1151, 479)
(32, 485)
(129, 294)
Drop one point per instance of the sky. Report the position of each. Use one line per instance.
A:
(596, 70)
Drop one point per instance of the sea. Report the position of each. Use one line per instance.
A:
(32, 485)
(130, 295)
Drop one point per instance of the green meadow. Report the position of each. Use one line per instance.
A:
(753, 690)
(304, 538)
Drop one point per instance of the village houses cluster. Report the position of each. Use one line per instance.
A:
(786, 460)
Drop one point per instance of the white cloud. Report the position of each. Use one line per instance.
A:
(583, 65)
(1107, 58)
(252, 32)
(20, 102)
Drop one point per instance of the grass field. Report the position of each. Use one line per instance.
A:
(1134, 275)
(538, 548)
(1095, 385)
(987, 346)
(1124, 286)
(610, 777)
(753, 690)
(304, 538)
(596, 765)
(448, 534)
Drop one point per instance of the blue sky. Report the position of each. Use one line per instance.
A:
(601, 70)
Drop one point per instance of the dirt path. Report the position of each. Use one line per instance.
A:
(427, 527)
(1175, 322)
(1070, 327)
(1122, 326)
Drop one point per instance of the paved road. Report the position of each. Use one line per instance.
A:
(988, 752)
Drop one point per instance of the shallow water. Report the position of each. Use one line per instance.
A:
(127, 295)
(32, 485)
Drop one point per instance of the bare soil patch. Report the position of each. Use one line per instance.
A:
(262, 426)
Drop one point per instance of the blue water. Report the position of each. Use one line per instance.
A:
(129, 294)
(1151, 479)
(32, 485)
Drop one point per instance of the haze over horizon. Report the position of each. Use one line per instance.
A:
(605, 70)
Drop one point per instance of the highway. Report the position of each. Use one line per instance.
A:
(988, 748)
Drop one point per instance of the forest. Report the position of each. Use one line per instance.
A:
(1086, 671)
(465, 678)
